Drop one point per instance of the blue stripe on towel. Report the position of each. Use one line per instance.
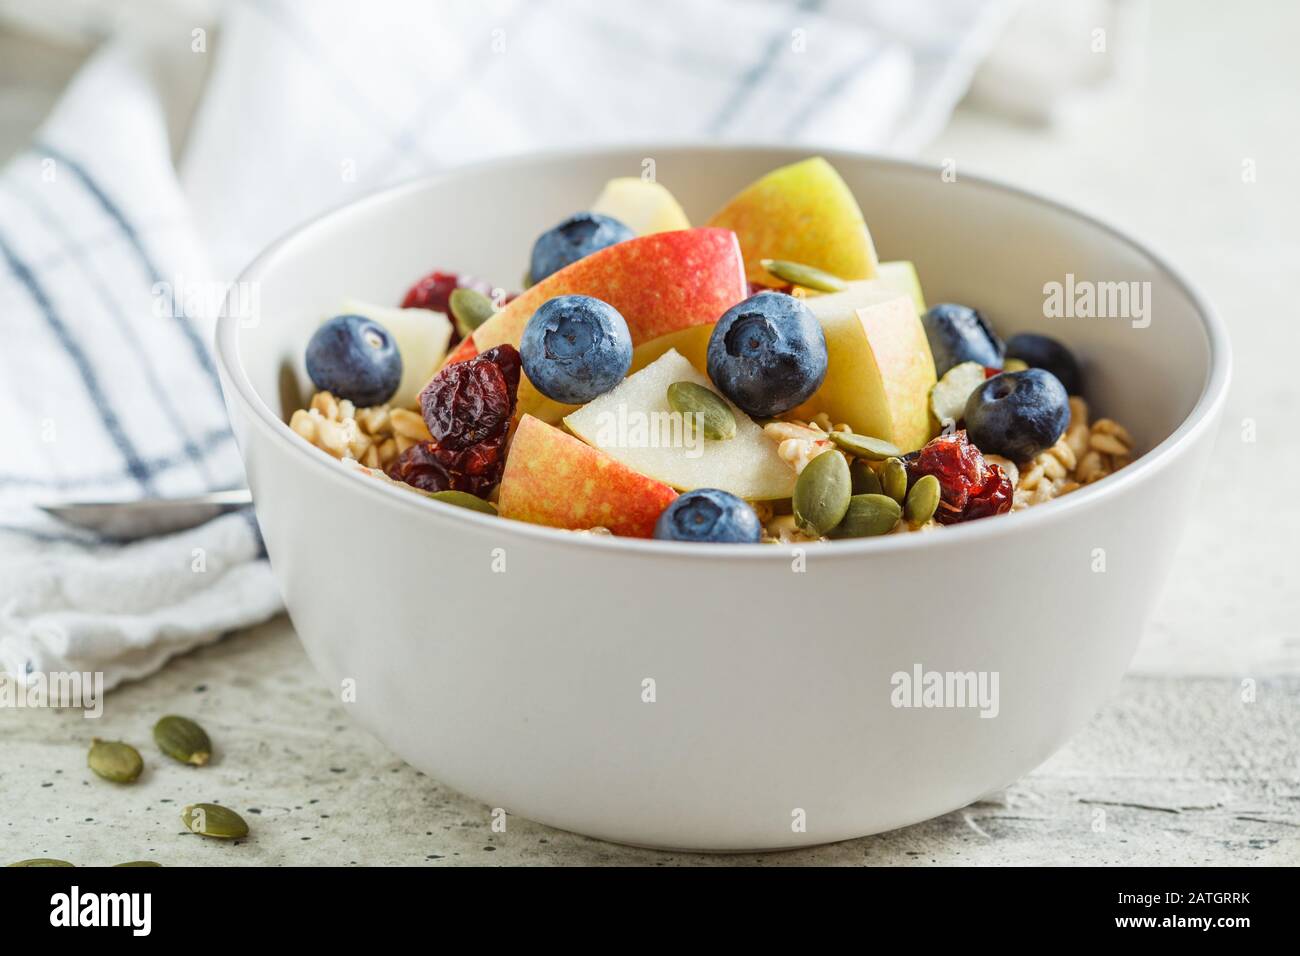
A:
(197, 345)
(134, 465)
(752, 78)
(207, 444)
(165, 402)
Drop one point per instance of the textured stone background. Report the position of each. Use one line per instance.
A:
(1174, 771)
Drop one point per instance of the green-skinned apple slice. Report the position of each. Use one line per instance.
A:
(802, 213)
(635, 424)
(900, 275)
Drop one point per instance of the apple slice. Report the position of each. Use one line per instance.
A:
(901, 276)
(803, 213)
(659, 283)
(692, 343)
(635, 424)
(421, 336)
(880, 372)
(553, 479)
(643, 206)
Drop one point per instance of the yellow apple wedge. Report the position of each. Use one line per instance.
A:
(644, 206)
(880, 368)
(553, 479)
(803, 213)
(901, 276)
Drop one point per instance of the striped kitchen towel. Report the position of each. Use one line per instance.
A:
(184, 147)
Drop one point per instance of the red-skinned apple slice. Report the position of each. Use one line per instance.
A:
(554, 479)
(659, 283)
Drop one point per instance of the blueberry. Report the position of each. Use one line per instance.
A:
(580, 235)
(957, 334)
(768, 354)
(354, 358)
(575, 348)
(1039, 351)
(1018, 414)
(709, 515)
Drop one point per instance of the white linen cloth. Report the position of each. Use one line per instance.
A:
(133, 206)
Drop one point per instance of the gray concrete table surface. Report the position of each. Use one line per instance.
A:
(1181, 767)
(1172, 772)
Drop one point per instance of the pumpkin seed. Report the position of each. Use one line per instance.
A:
(822, 492)
(182, 739)
(214, 820)
(865, 480)
(114, 760)
(893, 479)
(138, 863)
(1014, 365)
(949, 395)
(463, 499)
(923, 499)
(688, 398)
(810, 277)
(527, 280)
(873, 449)
(42, 861)
(469, 309)
(868, 515)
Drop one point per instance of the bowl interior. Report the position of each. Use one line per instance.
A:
(972, 241)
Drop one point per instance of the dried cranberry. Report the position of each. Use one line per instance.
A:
(969, 487)
(427, 466)
(993, 499)
(470, 402)
(434, 292)
(957, 464)
(508, 359)
(420, 467)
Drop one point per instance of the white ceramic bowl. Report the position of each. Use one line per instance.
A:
(772, 723)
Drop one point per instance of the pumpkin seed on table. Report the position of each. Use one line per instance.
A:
(923, 499)
(182, 739)
(868, 515)
(114, 760)
(469, 309)
(822, 493)
(463, 499)
(138, 863)
(893, 479)
(214, 820)
(865, 480)
(690, 398)
(861, 446)
(42, 861)
(810, 277)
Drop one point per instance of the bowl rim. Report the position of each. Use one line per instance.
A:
(1143, 468)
